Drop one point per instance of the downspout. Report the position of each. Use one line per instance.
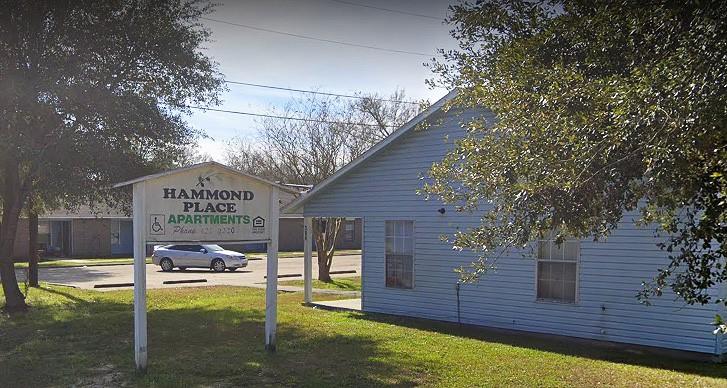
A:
(718, 353)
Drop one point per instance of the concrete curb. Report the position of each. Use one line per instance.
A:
(61, 285)
(113, 285)
(184, 281)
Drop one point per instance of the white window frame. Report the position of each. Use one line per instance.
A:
(413, 255)
(577, 261)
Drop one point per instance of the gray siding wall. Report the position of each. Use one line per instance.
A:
(610, 273)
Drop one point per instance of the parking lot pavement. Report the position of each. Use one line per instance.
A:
(251, 276)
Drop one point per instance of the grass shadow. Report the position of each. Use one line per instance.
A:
(195, 337)
(652, 357)
(343, 285)
(226, 347)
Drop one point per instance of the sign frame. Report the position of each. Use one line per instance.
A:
(140, 216)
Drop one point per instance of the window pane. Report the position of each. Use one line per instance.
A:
(389, 245)
(557, 281)
(389, 228)
(399, 271)
(407, 246)
(571, 250)
(397, 228)
(556, 250)
(569, 292)
(559, 291)
(406, 281)
(544, 250)
(407, 229)
(407, 270)
(556, 271)
(569, 274)
(543, 289)
(390, 275)
(543, 271)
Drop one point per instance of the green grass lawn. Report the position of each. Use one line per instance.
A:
(345, 284)
(214, 337)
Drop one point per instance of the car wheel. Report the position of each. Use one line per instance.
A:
(232, 269)
(218, 265)
(166, 264)
(182, 268)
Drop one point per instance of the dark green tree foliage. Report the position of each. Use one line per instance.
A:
(87, 88)
(602, 107)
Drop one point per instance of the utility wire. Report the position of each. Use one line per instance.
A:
(279, 117)
(319, 39)
(314, 92)
(388, 10)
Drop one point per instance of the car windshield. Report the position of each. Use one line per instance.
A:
(213, 248)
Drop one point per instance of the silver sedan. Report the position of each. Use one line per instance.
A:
(198, 256)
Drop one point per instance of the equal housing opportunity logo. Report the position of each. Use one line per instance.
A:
(258, 225)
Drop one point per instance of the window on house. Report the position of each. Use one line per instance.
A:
(399, 254)
(349, 229)
(557, 270)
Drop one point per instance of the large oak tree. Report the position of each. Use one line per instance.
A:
(602, 107)
(91, 95)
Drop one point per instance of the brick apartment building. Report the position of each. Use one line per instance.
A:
(88, 233)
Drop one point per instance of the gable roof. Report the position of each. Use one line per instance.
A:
(202, 165)
(404, 129)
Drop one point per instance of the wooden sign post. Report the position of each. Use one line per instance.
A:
(204, 203)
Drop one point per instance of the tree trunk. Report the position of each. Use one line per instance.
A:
(32, 248)
(324, 268)
(326, 232)
(13, 198)
(14, 299)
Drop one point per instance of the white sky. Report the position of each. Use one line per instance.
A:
(264, 58)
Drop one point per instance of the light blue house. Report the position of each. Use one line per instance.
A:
(584, 289)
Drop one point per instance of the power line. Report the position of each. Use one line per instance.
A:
(280, 117)
(388, 10)
(314, 92)
(319, 39)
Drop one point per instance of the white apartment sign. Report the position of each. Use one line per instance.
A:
(208, 205)
(208, 202)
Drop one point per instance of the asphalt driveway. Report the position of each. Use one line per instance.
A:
(251, 276)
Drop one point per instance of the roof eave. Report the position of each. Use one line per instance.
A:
(297, 205)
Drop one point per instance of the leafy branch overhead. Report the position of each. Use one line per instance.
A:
(604, 110)
(87, 89)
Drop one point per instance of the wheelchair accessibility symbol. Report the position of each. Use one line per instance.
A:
(156, 224)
